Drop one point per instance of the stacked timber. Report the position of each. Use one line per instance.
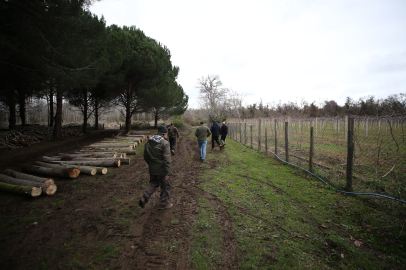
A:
(101, 163)
(33, 134)
(84, 170)
(28, 177)
(62, 172)
(48, 189)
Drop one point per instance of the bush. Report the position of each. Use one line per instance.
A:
(140, 125)
(178, 122)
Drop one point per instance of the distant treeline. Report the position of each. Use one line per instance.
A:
(57, 50)
(394, 105)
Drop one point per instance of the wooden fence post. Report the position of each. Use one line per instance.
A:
(350, 154)
(251, 135)
(239, 127)
(245, 133)
(287, 141)
(266, 141)
(259, 135)
(311, 150)
(276, 139)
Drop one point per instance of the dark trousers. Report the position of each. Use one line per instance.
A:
(214, 139)
(165, 185)
(223, 137)
(172, 142)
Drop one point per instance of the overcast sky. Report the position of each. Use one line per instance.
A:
(285, 50)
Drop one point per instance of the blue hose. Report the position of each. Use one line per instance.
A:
(347, 192)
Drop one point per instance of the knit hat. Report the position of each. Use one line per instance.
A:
(162, 130)
(201, 123)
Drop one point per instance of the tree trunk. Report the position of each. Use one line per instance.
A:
(21, 190)
(128, 110)
(109, 145)
(89, 152)
(100, 170)
(124, 161)
(96, 114)
(87, 170)
(156, 119)
(44, 158)
(12, 118)
(70, 156)
(68, 172)
(58, 115)
(21, 103)
(106, 163)
(28, 177)
(85, 107)
(51, 103)
(48, 189)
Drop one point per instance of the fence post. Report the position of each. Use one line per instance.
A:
(239, 127)
(311, 150)
(287, 141)
(350, 153)
(245, 133)
(276, 139)
(259, 135)
(251, 135)
(266, 141)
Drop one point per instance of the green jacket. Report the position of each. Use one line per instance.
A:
(157, 154)
(202, 133)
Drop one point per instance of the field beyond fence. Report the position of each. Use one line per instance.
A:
(379, 150)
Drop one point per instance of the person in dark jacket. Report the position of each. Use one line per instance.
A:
(223, 132)
(157, 154)
(215, 133)
(172, 135)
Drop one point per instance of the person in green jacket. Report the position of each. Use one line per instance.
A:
(202, 132)
(157, 154)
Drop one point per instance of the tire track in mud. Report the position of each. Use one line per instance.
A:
(162, 239)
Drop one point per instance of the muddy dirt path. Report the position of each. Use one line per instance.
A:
(88, 214)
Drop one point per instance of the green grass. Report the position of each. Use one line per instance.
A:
(207, 240)
(284, 219)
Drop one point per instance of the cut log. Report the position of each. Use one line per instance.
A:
(90, 171)
(45, 158)
(29, 177)
(104, 149)
(108, 143)
(100, 170)
(63, 172)
(48, 189)
(90, 152)
(124, 161)
(21, 190)
(112, 154)
(110, 146)
(106, 163)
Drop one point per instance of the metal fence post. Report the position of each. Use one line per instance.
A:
(350, 153)
(311, 150)
(287, 141)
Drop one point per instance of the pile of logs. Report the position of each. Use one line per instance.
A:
(33, 134)
(93, 159)
(25, 184)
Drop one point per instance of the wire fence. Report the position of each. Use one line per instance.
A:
(370, 152)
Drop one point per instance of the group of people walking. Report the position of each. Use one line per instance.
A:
(158, 151)
(203, 132)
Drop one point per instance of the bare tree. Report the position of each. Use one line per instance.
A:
(212, 94)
